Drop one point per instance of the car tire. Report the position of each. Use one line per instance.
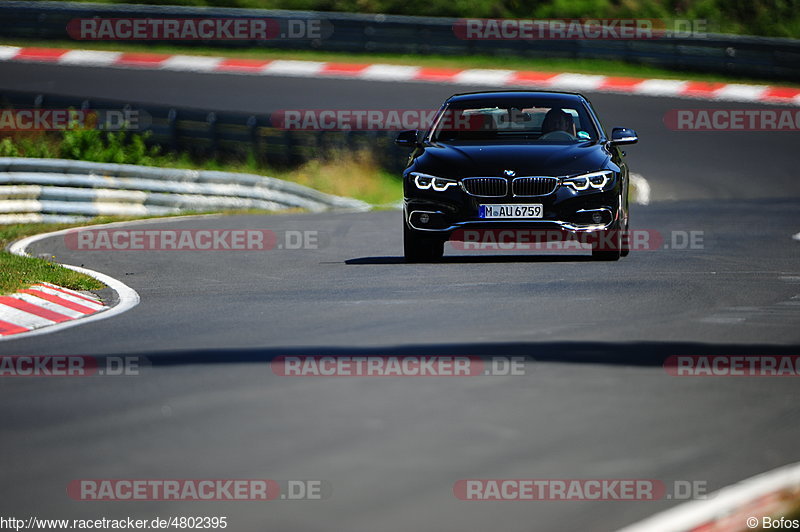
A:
(626, 243)
(418, 248)
(609, 254)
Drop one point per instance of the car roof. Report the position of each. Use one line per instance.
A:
(512, 95)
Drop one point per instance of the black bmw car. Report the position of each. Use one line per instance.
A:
(515, 159)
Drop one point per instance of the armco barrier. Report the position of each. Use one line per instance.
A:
(731, 54)
(53, 190)
(217, 132)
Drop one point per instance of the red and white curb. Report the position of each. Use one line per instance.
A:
(403, 73)
(738, 507)
(46, 308)
(42, 305)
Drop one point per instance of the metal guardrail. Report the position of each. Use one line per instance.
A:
(226, 133)
(730, 54)
(57, 190)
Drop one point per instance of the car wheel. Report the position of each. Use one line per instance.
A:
(611, 238)
(626, 243)
(418, 248)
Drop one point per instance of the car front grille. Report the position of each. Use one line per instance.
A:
(534, 186)
(487, 187)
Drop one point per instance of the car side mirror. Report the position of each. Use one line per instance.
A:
(623, 135)
(408, 138)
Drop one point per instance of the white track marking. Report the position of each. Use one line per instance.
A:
(294, 68)
(128, 298)
(736, 91)
(73, 292)
(660, 87)
(579, 82)
(22, 319)
(48, 305)
(480, 76)
(8, 52)
(89, 57)
(191, 63)
(68, 297)
(389, 72)
(718, 505)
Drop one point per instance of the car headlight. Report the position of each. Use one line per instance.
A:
(426, 182)
(596, 180)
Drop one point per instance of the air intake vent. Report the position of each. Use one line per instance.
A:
(486, 187)
(534, 186)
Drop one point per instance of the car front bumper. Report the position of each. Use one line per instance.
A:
(564, 210)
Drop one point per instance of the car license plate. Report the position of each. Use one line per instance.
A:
(526, 210)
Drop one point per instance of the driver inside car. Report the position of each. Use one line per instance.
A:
(558, 124)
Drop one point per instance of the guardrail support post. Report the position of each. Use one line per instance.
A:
(172, 128)
(252, 130)
(211, 119)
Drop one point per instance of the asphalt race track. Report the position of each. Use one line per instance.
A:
(595, 401)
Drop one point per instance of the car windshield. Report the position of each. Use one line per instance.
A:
(559, 121)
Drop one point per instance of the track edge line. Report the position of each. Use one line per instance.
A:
(691, 515)
(128, 297)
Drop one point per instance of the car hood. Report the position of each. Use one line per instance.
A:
(470, 160)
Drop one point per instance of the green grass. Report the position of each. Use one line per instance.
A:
(18, 272)
(581, 66)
